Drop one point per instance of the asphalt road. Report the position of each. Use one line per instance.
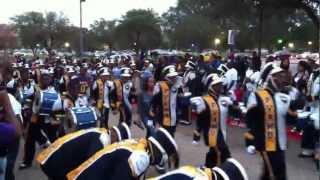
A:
(297, 169)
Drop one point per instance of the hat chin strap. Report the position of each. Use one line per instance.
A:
(211, 92)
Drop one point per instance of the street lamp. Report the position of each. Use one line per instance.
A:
(310, 43)
(280, 41)
(291, 45)
(217, 41)
(66, 44)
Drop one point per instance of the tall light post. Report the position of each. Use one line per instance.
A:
(81, 30)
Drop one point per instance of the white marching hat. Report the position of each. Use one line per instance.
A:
(104, 72)
(213, 79)
(125, 72)
(169, 71)
(190, 65)
(70, 69)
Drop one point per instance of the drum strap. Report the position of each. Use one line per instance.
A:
(100, 85)
(269, 119)
(214, 120)
(165, 103)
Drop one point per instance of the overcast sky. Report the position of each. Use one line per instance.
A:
(92, 9)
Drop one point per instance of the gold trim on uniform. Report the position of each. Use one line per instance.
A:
(214, 120)
(100, 86)
(165, 103)
(269, 120)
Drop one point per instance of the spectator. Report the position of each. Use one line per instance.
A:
(145, 100)
(301, 77)
(10, 128)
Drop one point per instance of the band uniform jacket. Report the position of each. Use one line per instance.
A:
(204, 118)
(124, 160)
(165, 106)
(121, 94)
(69, 151)
(261, 128)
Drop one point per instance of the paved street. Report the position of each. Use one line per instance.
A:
(298, 169)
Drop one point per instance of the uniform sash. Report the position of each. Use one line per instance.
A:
(269, 120)
(119, 94)
(118, 91)
(214, 120)
(165, 103)
(100, 85)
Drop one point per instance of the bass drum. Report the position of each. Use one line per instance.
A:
(45, 102)
(82, 118)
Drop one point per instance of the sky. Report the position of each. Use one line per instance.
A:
(92, 9)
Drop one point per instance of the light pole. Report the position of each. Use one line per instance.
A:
(81, 30)
(291, 45)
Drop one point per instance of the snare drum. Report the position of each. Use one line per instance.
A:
(83, 117)
(46, 102)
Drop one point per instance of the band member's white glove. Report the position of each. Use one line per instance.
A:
(198, 104)
(303, 115)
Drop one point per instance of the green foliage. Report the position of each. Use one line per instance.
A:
(138, 29)
(50, 30)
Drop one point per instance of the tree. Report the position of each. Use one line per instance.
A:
(47, 30)
(30, 29)
(281, 19)
(8, 37)
(102, 32)
(139, 30)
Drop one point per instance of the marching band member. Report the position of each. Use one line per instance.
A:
(101, 89)
(189, 88)
(121, 94)
(47, 101)
(251, 79)
(57, 78)
(129, 159)
(85, 81)
(230, 170)
(164, 102)
(64, 82)
(266, 117)
(230, 78)
(69, 151)
(26, 95)
(212, 120)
